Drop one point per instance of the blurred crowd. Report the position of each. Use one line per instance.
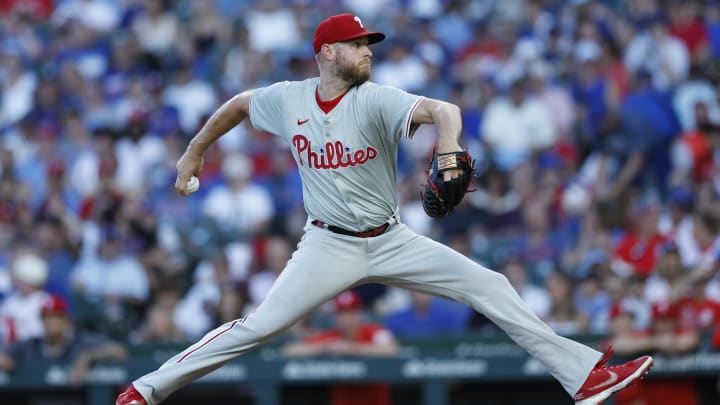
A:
(595, 125)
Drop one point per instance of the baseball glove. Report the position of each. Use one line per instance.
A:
(440, 196)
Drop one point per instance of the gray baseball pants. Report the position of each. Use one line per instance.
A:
(326, 264)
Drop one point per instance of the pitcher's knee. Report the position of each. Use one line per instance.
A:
(481, 281)
(501, 281)
(491, 278)
(263, 332)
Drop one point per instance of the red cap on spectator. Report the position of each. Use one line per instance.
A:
(663, 310)
(342, 27)
(619, 309)
(54, 305)
(349, 300)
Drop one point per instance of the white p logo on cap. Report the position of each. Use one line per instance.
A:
(356, 18)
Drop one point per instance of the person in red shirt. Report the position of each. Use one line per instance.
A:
(352, 336)
(638, 249)
(686, 24)
(698, 312)
(665, 336)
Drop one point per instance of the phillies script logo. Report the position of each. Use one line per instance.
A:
(332, 155)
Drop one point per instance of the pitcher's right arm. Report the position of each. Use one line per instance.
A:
(229, 115)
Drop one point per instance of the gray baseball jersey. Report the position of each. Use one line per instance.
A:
(347, 157)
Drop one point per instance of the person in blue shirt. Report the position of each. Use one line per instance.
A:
(428, 316)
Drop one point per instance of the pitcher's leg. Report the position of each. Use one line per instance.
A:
(419, 263)
(321, 268)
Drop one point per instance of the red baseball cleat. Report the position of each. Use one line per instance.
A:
(130, 397)
(604, 380)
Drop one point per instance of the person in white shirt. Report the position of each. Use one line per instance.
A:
(21, 309)
(241, 204)
(656, 51)
(110, 282)
(517, 125)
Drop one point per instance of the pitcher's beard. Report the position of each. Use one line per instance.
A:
(355, 74)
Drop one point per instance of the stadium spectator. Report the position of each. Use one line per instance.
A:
(539, 244)
(272, 27)
(664, 336)
(196, 313)
(427, 317)
(242, 205)
(99, 15)
(636, 252)
(656, 51)
(691, 152)
(593, 245)
(516, 125)
(557, 99)
(233, 304)
(711, 17)
(156, 29)
(193, 98)
(564, 317)
(109, 286)
(51, 239)
(696, 311)
(401, 69)
(593, 302)
(351, 337)
(596, 96)
(676, 221)
(159, 327)
(21, 309)
(210, 30)
(633, 300)
(666, 283)
(698, 247)
(17, 88)
(60, 343)
(686, 24)
(496, 201)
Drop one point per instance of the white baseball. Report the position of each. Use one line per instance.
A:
(193, 184)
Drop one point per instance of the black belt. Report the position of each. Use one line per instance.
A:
(364, 234)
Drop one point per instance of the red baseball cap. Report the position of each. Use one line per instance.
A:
(54, 305)
(349, 300)
(342, 27)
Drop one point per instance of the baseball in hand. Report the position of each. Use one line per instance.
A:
(193, 184)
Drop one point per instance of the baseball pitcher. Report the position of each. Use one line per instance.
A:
(344, 133)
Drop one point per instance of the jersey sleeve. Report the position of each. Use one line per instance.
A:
(393, 108)
(267, 107)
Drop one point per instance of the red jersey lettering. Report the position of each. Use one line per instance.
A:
(331, 156)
